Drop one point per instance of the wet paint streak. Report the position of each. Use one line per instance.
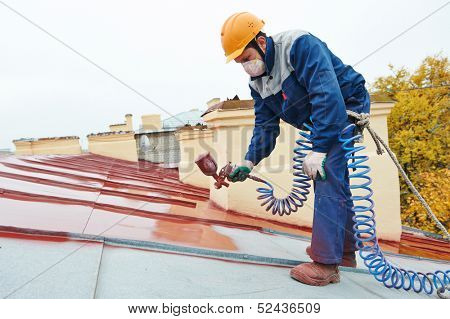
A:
(274, 224)
(172, 191)
(141, 166)
(23, 196)
(103, 190)
(147, 181)
(156, 176)
(13, 233)
(44, 181)
(134, 171)
(17, 195)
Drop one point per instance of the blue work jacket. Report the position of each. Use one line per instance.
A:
(304, 82)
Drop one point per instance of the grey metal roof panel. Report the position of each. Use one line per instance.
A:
(48, 269)
(73, 269)
(162, 275)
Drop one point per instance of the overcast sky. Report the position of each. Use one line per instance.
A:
(170, 51)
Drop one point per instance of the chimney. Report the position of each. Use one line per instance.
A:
(129, 121)
(151, 122)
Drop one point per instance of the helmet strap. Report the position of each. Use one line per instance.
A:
(254, 44)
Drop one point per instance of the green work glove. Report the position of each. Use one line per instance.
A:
(241, 172)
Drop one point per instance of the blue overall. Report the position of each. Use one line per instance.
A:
(305, 82)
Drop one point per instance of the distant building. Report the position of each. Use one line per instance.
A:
(192, 118)
(156, 139)
(5, 152)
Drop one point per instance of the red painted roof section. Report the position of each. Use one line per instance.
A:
(92, 194)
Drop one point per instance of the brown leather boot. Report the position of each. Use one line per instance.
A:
(348, 259)
(316, 274)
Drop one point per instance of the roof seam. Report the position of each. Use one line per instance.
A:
(98, 271)
(185, 250)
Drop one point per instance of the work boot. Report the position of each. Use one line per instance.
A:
(348, 259)
(316, 274)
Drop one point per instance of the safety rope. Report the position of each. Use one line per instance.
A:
(364, 123)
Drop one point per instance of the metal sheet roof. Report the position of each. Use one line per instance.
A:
(99, 227)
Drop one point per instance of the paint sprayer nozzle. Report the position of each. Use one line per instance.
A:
(208, 166)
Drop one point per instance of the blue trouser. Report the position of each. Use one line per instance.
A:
(332, 232)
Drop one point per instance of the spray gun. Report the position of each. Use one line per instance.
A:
(208, 166)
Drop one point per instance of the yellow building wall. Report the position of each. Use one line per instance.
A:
(115, 145)
(232, 131)
(193, 142)
(151, 122)
(48, 146)
(23, 148)
(56, 146)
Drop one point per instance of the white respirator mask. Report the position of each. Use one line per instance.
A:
(254, 67)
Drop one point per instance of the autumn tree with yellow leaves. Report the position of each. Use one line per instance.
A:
(419, 136)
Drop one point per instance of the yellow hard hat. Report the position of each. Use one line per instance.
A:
(237, 31)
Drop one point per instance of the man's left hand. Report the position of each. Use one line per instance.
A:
(314, 163)
(241, 172)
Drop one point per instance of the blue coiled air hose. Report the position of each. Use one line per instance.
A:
(364, 220)
(300, 187)
(365, 229)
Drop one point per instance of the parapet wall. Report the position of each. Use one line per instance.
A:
(49, 145)
(118, 127)
(121, 145)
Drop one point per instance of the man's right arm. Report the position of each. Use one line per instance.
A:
(265, 133)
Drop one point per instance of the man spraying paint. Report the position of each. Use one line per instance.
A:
(295, 77)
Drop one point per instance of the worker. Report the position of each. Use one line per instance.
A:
(295, 77)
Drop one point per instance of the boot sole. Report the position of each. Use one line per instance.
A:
(333, 279)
